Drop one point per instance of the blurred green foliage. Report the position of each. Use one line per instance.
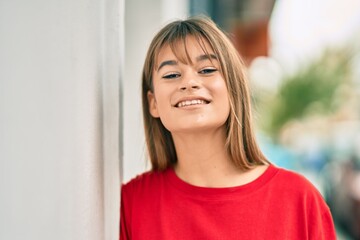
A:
(310, 91)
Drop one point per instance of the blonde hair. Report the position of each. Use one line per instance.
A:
(240, 143)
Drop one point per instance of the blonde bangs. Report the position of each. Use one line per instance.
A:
(177, 43)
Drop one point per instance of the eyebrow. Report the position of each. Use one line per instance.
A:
(198, 59)
(168, 62)
(206, 57)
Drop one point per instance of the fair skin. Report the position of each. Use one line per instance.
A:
(192, 102)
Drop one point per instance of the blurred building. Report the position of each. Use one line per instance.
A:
(247, 23)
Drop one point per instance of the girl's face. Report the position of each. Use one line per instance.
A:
(189, 97)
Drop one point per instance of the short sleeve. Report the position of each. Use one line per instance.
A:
(321, 222)
(124, 209)
(327, 229)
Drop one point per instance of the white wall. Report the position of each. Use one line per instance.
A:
(143, 18)
(59, 119)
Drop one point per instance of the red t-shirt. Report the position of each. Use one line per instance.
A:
(280, 204)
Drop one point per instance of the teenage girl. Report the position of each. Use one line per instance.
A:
(209, 179)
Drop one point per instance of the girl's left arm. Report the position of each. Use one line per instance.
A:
(123, 221)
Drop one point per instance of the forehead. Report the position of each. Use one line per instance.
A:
(184, 50)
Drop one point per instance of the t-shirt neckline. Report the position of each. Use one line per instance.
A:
(221, 192)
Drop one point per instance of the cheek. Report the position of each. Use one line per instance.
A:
(218, 83)
(220, 89)
(163, 105)
(222, 94)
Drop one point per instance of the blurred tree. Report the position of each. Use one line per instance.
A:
(310, 91)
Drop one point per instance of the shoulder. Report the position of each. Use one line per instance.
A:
(149, 180)
(293, 184)
(292, 179)
(306, 200)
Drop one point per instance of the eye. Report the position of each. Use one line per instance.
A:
(171, 75)
(207, 70)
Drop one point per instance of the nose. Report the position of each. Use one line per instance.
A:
(189, 82)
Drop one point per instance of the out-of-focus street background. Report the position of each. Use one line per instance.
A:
(70, 104)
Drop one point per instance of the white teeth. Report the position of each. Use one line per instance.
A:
(191, 102)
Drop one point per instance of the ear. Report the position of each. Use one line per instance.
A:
(152, 105)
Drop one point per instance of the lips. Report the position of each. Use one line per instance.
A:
(190, 102)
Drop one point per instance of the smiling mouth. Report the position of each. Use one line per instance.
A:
(191, 102)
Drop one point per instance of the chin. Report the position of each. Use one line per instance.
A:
(197, 128)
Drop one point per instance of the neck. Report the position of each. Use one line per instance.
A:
(203, 159)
